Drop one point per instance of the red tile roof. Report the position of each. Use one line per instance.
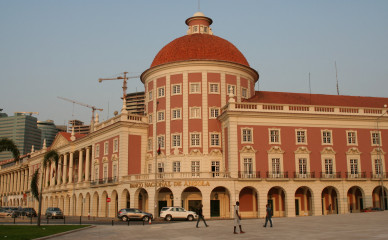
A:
(199, 47)
(317, 99)
(68, 135)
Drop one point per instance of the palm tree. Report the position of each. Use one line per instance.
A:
(8, 145)
(50, 156)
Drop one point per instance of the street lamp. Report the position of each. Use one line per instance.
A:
(381, 160)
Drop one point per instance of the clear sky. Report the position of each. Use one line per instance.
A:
(60, 48)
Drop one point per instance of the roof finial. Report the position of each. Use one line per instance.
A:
(44, 144)
(72, 138)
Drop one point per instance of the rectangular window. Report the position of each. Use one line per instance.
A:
(150, 95)
(276, 166)
(106, 148)
(216, 168)
(115, 145)
(302, 166)
(160, 92)
(176, 114)
(195, 88)
(161, 141)
(150, 118)
(105, 172)
(176, 140)
(213, 88)
(326, 137)
(149, 168)
(214, 112)
(214, 139)
(246, 135)
(352, 137)
(329, 166)
(195, 168)
(301, 136)
(97, 150)
(160, 116)
(176, 89)
(176, 166)
(195, 112)
(195, 139)
(375, 138)
(160, 167)
(114, 171)
(244, 93)
(274, 136)
(354, 166)
(96, 173)
(248, 166)
(149, 144)
(377, 166)
(231, 89)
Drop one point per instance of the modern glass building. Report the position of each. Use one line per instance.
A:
(49, 130)
(23, 130)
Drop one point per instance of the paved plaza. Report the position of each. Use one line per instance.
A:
(347, 226)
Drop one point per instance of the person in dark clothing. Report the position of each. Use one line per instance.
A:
(200, 216)
(268, 215)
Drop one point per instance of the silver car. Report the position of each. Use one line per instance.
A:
(54, 212)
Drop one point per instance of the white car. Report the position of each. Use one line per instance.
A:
(169, 213)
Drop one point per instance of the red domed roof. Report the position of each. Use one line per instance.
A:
(199, 47)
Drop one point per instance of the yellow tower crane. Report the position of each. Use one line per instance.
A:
(124, 78)
(85, 105)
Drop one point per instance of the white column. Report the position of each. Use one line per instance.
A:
(71, 168)
(87, 164)
(64, 173)
(17, 174)
(80, 164)
(21, 183)
(59, 172)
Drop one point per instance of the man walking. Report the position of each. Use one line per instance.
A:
(268, 215)
(237, 218)
(200, 216)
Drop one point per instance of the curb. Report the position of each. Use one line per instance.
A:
(64, 233)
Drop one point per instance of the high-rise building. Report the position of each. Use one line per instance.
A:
(22, 129)
(78, 126)
(136, 103)
(49, 130)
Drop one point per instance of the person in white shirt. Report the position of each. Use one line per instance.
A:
(237, 218)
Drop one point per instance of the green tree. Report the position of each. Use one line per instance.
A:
(8, 145)
(50, 156)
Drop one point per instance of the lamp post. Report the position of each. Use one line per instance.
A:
(381, 160)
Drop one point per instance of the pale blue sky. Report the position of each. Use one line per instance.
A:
(60, 48)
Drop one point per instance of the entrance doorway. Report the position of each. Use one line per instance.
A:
(161, 205)
(193, 205)
(214, 208)
(297, 207)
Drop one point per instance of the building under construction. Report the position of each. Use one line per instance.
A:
(135, 103)
(79, 127)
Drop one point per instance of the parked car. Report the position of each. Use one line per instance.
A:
(54, 212)
(371, 209)
(16, 211)
(169, 213)
(5, 212)
(30, 212)
(126, 214)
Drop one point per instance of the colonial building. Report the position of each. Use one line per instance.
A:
(208, 137)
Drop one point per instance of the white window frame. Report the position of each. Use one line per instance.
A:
(244, 92)
(106, 148)
(272, 138)
(161, 92)
(373, 138)
(197, 140)
(298, 137)
(195, 112)
(216, 85)
(325, 138)
(197, 88)
(150, 95)
(97, 150)
(211, 140)
(334, 165)
(215, 168)
(246, 135)
(213, 111)
(176, 166)
(150, 118)
(114, 171)
(115, 145)
(195, 168)
(96, 173)
(161, 141)
(105, 172)
(176, 113)
(149, 168)
(149, 144)
(161, 116)
(176, 138)
(351, 140)
(176, 89)
(230, 87)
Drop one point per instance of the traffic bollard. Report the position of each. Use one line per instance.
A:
(14, 219)
(128, 221)
(47, 220)
(64, 220)
(112, 222)
(79, 220)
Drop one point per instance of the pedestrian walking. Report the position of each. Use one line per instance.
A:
(200, 216)
(237, 218)
(268, 215)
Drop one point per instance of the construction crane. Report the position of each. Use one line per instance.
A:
(124, 78)
(83, 104)
(37, 113)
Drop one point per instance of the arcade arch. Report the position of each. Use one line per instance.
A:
(330, 200)
(191, 198)
(303, 202)
(377, 197)
(355, 199)
(276, 198)
(220, 203)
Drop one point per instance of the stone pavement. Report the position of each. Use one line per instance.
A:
(354, 226)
